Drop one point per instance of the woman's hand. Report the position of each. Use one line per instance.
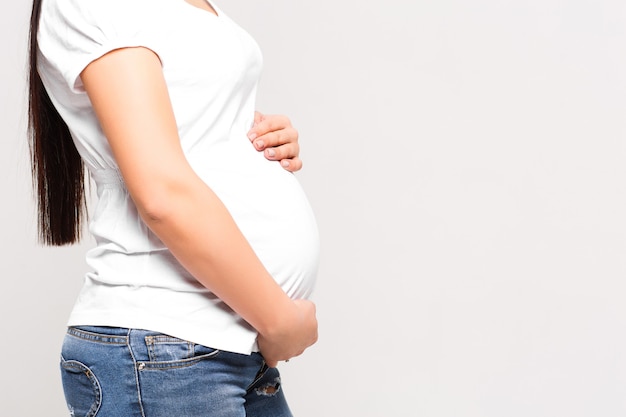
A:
(277, 139)
(297, 332)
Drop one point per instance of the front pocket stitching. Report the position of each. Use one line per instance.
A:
(183, 363)
(154, 340)
(79, 366)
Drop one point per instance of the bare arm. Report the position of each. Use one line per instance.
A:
(130, 97)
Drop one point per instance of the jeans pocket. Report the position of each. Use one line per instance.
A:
(200, 351)
(163, 348)
(170, 352)
(82, 389)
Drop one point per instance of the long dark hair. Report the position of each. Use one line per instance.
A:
(57, 169)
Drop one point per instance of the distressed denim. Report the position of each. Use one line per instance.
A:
(116, 372)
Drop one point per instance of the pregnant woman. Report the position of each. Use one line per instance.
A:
(205, 250)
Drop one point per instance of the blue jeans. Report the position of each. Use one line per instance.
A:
(115, 372)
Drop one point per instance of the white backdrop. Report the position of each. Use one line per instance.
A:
(466, 161)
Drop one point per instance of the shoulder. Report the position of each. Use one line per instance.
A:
(75, 11)
(97, 7)
(66, 22)
(101, 14)
(72, 33)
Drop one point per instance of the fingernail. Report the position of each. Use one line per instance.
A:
(259, 144)
(252, 136)
(284, 163)
(271, 152)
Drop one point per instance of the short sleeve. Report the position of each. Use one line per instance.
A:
(73, 33)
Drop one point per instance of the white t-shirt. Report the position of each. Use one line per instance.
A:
(211, 67)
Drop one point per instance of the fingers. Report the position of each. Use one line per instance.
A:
(258, 117)
(290, 341)
(292, 165)
(277, 152)
(271, 123)
(277, 139)
(273, 138)
(271, 364)
(273, 130)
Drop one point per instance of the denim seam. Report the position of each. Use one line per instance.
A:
(264, 368)
(136, 372)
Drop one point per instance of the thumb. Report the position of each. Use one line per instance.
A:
(258, 118)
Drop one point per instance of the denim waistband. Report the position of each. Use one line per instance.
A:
(115, 335)
(144, 345)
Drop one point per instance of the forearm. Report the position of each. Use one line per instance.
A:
(130, 97)
(198, 229)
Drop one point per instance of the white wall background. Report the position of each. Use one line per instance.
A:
(466, 160)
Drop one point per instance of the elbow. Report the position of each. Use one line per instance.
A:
(154, 209)
(164, 199)
(158, 204)
(154, 212)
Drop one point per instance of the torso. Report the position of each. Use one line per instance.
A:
(212, 68)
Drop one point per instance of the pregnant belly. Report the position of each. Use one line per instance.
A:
(270, 208)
